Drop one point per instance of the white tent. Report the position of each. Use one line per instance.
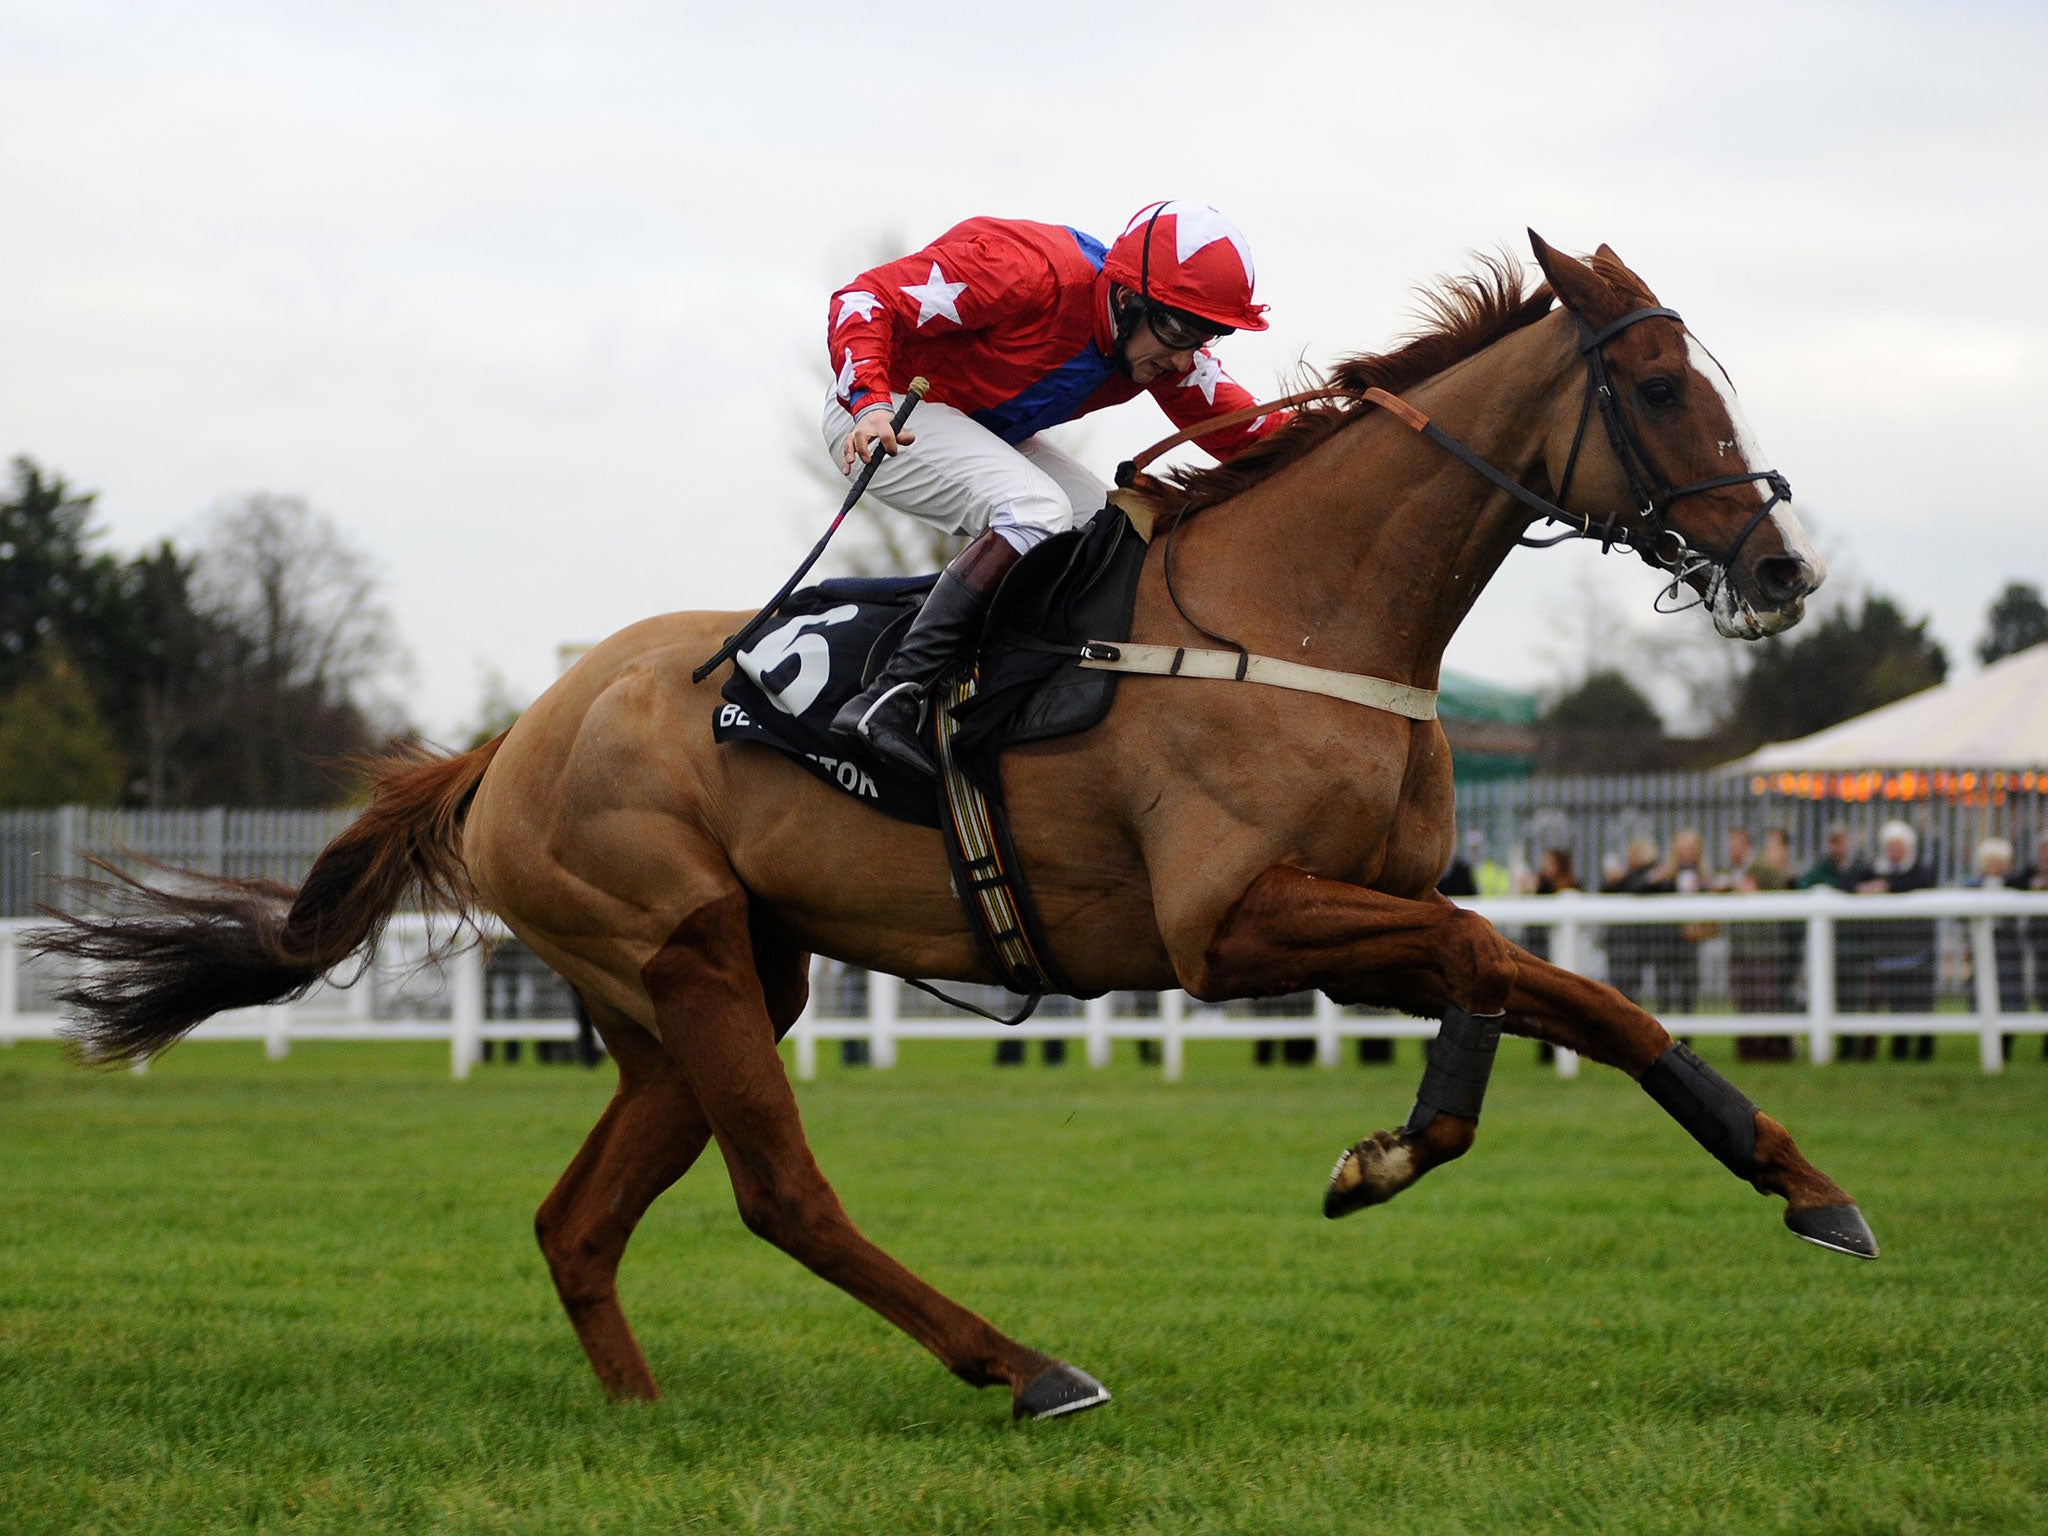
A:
(1997, 719)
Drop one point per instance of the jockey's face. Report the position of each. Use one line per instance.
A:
(1146, 358)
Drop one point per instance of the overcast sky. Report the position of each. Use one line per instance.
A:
(530, 297)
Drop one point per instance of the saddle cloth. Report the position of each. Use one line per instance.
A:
(829, 640)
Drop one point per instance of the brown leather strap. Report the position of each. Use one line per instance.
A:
(1128, 470)
(1400, 409)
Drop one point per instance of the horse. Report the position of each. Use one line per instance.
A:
(681, 888)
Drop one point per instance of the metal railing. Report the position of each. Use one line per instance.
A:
(1988, 977)
(1594, 815)
(41, 850)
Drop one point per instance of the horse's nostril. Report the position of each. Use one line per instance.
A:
(1784, 577)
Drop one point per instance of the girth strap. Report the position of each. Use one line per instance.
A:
(987, 875)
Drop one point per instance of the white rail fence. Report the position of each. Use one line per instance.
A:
(1988, 954)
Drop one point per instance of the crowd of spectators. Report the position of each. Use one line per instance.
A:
(1889, 965)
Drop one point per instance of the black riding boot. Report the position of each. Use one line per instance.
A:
(887, 714)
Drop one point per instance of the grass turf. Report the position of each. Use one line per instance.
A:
(303, 1296)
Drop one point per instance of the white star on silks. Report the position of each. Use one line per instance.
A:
(845, 378)
(1205, 376)
(936, 296)
(859, 302)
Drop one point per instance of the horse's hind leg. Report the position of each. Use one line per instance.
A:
(710, 1012)
(647, 1138)
(1600, 1023)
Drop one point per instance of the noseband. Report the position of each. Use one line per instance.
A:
(1651, 489)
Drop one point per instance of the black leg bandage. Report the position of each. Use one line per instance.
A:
(1710, 1107)
(1460, 1061)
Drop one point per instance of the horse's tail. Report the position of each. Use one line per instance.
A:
(173, 959)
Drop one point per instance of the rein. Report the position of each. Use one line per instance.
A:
(1651, 489)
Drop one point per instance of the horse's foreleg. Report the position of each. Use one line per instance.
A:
(647, 1138)
(1600, 1023)
(1291, 931)
(711, 1014)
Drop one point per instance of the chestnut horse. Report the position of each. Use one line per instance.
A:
(681, 887)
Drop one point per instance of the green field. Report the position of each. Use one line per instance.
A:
(304, 1296)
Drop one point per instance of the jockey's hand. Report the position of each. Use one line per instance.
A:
(873, 430)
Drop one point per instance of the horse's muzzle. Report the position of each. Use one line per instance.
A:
(1783, 580)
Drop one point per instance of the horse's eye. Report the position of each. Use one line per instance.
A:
(1659, 392)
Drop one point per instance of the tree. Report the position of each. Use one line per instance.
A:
(52, 587)
(43, 532)
(227, 677)
(1606, 701)
(128, 628)
(1852, 661)
(305, 601)
(54, 748)
(175, 684)
(294, 636)
(1604, 725)
(2017, 620)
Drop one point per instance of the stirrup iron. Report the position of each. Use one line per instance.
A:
(860, 726)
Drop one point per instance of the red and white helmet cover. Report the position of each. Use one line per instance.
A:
(1188, 256)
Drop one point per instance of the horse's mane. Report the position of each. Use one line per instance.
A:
(1460, 316)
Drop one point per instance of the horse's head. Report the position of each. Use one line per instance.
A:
(1660, 434)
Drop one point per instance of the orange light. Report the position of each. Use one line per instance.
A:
(1759, 785)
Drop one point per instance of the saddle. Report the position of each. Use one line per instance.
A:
(1025, 684)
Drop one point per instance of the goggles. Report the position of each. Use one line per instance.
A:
(1180, 332)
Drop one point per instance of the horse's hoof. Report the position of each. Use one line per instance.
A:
(1840, 1227)
(1370, 1172)
(1057, 1391)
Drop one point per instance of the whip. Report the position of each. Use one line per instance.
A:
(919, 388)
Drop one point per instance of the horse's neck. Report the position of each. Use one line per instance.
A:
(1386, 540)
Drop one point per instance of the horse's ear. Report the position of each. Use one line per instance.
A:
(1578, 287)
(1619, 276)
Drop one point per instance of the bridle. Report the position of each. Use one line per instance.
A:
(1649, 487)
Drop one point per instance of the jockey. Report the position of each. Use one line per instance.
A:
(1018, 327)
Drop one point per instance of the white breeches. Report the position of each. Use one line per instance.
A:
(961, 478)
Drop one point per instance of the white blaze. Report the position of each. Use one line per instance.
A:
(1747, 456)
